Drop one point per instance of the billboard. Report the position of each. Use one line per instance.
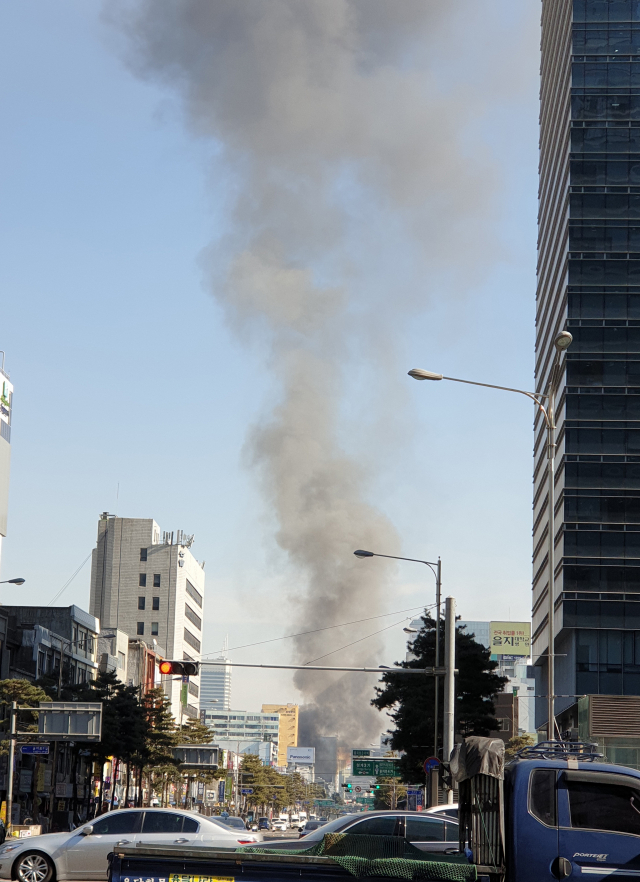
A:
(510, 638)
(302, 755)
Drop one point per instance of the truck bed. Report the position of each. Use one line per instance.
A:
(149, 863)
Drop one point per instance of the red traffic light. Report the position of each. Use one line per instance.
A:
(180, 668)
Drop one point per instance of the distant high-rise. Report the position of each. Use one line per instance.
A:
(6, 396)
(288, 732)
(215, 685)
(589, 283)
(152, 588)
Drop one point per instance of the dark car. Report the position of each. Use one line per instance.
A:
(236, 823)
(310, 826)
(263, 824)
(427, 833)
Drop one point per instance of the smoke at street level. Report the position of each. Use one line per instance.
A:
(334, 131)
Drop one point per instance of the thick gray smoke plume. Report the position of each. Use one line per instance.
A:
(328, 116)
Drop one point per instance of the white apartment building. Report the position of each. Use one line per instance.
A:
(242, 725)
(149, 585)
(215, 686)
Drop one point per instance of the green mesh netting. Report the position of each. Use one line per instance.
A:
(383, 856)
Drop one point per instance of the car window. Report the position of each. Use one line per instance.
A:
(424, 829)
(191, 826)
(611, 807)
(451, 832)
(114, 823)
(161, 822)
(542, 796)
(383, 825)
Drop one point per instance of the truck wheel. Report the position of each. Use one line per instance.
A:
(33, 866)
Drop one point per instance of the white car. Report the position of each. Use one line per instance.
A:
(279, 824)
(82, 854)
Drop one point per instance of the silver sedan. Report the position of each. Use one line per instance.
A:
(82, 854)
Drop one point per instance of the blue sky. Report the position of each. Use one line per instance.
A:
(128, 376)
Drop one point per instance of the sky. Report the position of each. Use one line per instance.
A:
(142, 388)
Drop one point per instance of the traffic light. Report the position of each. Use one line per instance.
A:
(348, 787)
(180, 668)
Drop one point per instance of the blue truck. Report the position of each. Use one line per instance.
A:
(557, 811)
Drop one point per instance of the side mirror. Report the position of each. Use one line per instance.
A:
(87, 830)
(300, 829)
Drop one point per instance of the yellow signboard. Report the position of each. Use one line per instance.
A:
(510, 638)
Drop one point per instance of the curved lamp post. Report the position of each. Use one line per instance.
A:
(561, 343)
(437, 572)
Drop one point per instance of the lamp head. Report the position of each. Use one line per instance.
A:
(410, 630)
(16, 581)
(563, 341)
(419, 374)
(361, 553)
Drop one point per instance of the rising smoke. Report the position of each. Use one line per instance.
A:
(328, 116)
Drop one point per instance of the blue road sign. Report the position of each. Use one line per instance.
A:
(39, 749)
(431, 763)
(247, 790)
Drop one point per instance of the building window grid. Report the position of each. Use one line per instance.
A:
(603, 460)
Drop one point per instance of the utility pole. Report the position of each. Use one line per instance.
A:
(449, 681)
(12, 754)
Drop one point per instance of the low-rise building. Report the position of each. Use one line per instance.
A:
(42, 635)
(267, 751)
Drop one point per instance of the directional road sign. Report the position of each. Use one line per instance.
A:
(386, 768)
(431, 763)
(247, 790)
(38, 749)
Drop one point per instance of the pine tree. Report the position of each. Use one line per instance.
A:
(195, 732)
(410, 700)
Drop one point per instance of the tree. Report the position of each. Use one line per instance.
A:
(410, 699)
(391, 792)
(195, 732)
(516, 743)
(25, 694)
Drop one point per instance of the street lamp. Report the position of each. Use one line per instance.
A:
(18, 581)
(438, 574)
(561, 343)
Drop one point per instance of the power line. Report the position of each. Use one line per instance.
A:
(316, 630)
(388, 627)
(70, 579)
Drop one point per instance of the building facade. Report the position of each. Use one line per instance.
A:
(288, 728)
(6, 401)
(215, 685)
(150, 586)
(43, 635)
(589, 284)
(241, 725)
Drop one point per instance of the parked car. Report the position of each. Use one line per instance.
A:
(82, 854)
(235, 822)
(447, 811)
(420, 829)
(309, 827)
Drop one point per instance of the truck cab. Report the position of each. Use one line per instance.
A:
(570, 815)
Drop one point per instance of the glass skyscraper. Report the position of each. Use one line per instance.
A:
(589, 284)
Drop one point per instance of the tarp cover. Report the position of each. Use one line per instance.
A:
(382, 856)
(478, 756)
